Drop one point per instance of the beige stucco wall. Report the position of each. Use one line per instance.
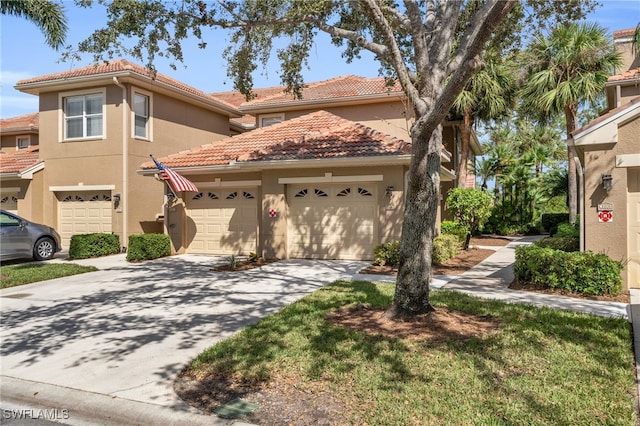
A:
(387, 117)
(609, 238)
(8, 143)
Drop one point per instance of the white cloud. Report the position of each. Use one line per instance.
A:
(9, 78)
(18, 105)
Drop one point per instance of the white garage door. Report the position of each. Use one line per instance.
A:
(9, 203)
(224, 221)
(633, 218)
(332, 221)
(83, 213)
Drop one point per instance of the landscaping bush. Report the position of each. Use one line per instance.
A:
(550, 221)
(471, 208)
(560, 243)
(454, 228)
(387, 254)
(148, 246)
(84, 246)
(565, 229)
(579, 272)
(445, 246)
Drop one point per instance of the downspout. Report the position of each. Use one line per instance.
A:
(580, 171)
(125, 156)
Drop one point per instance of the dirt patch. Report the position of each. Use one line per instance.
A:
(623, 297)
(243, 265)
(442, 324)
(454, 266)
(489, 240)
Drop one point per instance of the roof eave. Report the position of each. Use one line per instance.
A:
(294, 104)
(107, 78)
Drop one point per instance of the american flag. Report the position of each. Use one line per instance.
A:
(178, 182)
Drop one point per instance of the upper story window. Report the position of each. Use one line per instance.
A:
(83, 116)
(23, 142)
(269, 119)
(141, 115)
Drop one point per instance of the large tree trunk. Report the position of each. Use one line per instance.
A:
(465, 141)
(571, 117)
(421, 205)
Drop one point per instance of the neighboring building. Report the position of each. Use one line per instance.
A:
(609, 153)
(314, 186)
(19, 132)
(344, 145)
(97, 124)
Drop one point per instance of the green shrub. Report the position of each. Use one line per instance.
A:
(387, 254)
(84, 246)
(445, 246)
(454, 228)
(148, 246)
(470, 207)
(560, 243)
(579, 272)
(565, 229)
(550, 221)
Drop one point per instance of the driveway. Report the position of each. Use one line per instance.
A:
(128, 330)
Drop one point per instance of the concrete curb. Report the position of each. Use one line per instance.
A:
(75, 407)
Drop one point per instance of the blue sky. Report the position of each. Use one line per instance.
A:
(23, 54)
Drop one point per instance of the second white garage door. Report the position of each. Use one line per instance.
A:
(225, 222)
(83, 213)
(332, 221)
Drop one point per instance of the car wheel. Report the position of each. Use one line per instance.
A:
(44, 249)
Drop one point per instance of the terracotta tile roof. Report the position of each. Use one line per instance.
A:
(632, 74)
(319, 135)
(119, 66)
(17, 161)
(21, 122)
(624, 33)
(334, 89)
(236, 99)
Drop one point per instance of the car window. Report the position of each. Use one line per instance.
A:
(6, 220)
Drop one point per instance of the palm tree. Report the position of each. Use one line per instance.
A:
(46, 14)
(565, 69)
(489, 95)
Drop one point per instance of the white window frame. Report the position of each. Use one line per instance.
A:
(62, 134)
(264, 117)
(22, 138)
(149, 125)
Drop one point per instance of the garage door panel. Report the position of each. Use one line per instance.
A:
(83, 213)
(332, 222)
(226, 222)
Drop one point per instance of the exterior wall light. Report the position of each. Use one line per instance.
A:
(171, 197)
(388, 191)
(607, 182)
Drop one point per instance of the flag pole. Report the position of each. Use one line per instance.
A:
(175, 196)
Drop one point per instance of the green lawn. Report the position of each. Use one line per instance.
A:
(14, 275)
(542, 367)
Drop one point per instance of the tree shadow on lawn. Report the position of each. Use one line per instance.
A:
(335, 341)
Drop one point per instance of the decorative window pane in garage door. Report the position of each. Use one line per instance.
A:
(83, 213)
(332, 221)
(223, 222)
(9, 203)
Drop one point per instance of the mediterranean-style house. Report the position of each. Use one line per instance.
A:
(608, 151)
(96, 125)
(322, 176)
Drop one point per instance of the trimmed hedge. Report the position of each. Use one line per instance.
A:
(445, 246)
(565, 229)
(84, 246)
(387, 254)
(550, 221)
(560, 243)
(148, 246)
(579, 272)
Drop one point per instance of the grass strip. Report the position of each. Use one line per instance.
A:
(14, 275)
